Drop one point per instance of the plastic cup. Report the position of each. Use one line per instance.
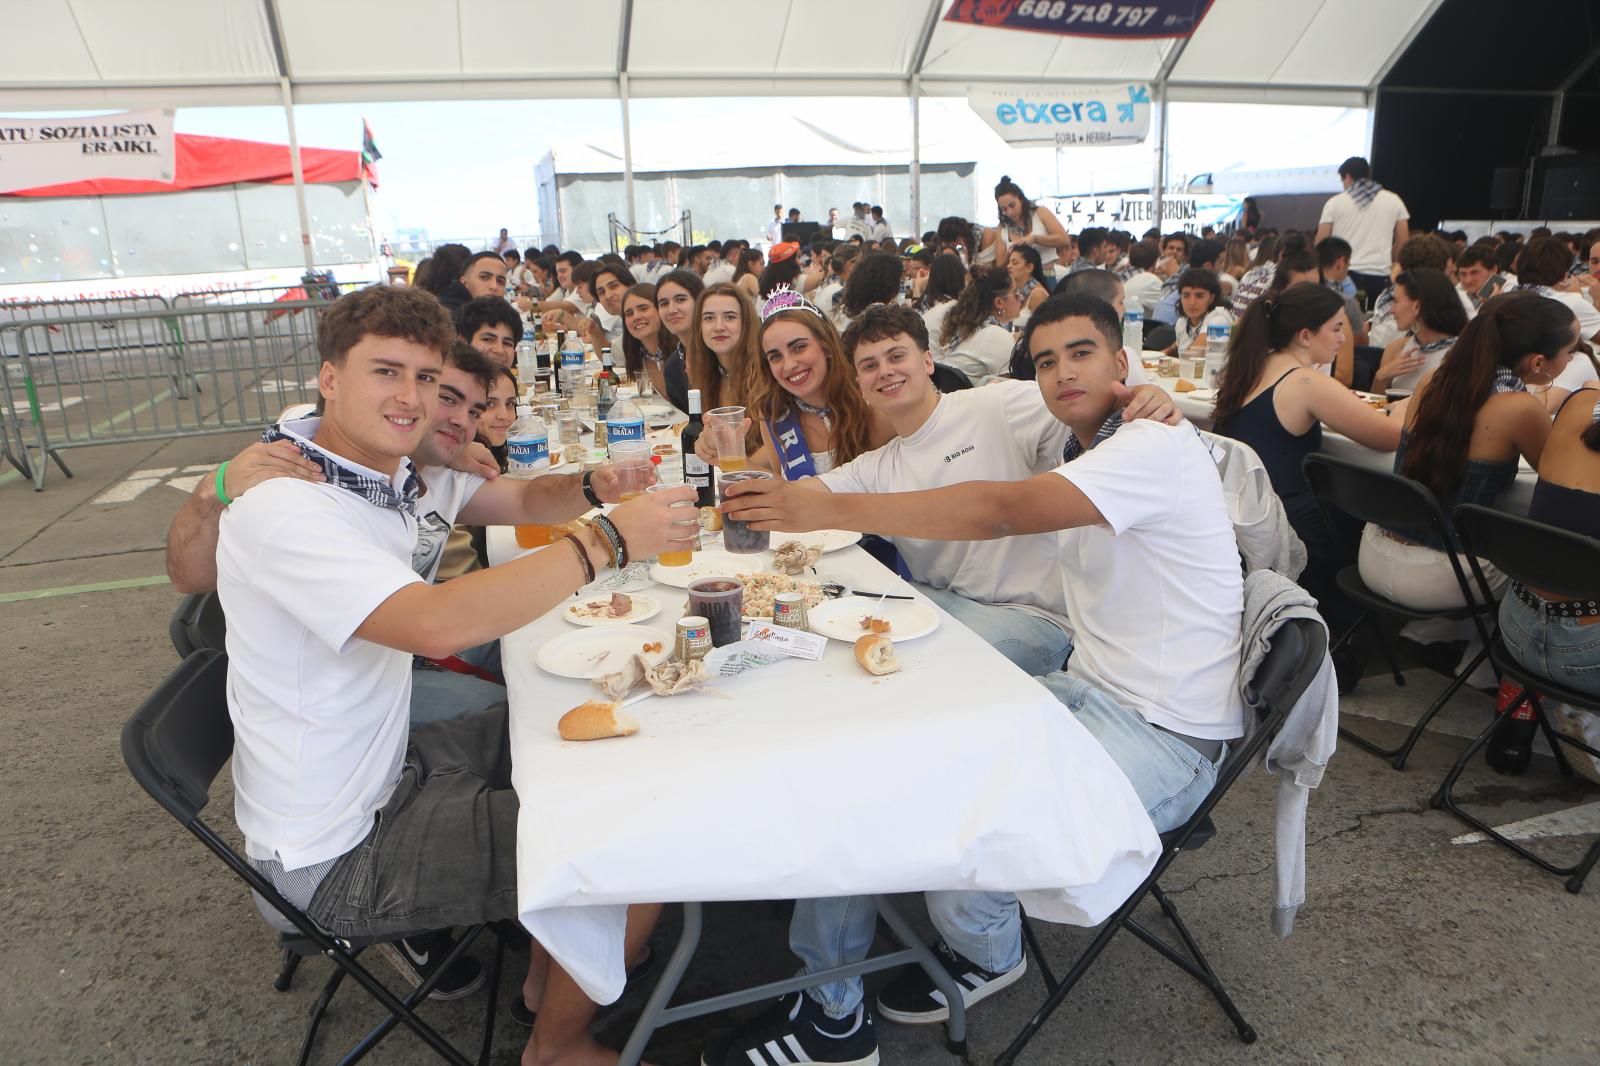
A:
(737, 536)
(1396, 395)
(691, 514)
(635, 472)
(720, 600)
(726, 426)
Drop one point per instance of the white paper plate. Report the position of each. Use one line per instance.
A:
(841, 618)
(644, 607)
(591, 653)
(829, 540)
(711, 562)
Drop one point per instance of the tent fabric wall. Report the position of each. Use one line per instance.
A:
(86, 53)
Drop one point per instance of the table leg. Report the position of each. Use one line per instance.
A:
(666, 986)
(956, 1027)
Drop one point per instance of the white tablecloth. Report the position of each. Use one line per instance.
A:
(810, 779)
(1516, 498)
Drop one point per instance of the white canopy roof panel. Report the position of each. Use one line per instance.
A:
(91, 53)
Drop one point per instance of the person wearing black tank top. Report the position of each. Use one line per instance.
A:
(1549, 634)
(1273, 397)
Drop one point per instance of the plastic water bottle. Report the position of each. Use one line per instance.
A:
(571, 364)
(527, 362)
(1217, 335)
(527, 445)
(626, 421)
(1133, 332)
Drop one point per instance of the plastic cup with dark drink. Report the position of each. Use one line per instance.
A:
(719, 600)
(737, 536)
(1396, 395)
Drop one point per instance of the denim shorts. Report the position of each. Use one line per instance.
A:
(1558, 648)
(443, 851)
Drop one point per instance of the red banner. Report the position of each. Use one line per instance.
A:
(1154, 18)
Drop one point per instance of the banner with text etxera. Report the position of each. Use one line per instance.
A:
(1154, 18)
(1066, 117)
(53, 151)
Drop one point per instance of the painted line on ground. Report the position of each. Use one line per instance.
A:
(73, 590)
(1574, 821)
(113, 420)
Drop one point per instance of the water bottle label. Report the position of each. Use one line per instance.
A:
(525, 455)
(569, 359)
(629, 430)
(1217, 332)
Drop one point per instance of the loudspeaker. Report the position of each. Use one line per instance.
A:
(1570, 186)
(1505, 190)
(802, 232)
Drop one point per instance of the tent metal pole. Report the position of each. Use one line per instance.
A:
(916, 156)
(1163, 76)
(299, 177)
(627, 153)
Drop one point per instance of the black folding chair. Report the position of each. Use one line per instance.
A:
(1558, 561)
(198, 623)
(1397, 503)
(947, 378)
(1292, 662)
(175, 744)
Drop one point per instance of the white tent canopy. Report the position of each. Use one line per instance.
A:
(110, 53)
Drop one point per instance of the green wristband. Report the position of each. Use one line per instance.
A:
(221, 494)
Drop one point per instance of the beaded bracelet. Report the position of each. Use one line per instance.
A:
(583, 557)
(619, 547)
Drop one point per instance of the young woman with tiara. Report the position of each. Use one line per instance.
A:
(803, 400)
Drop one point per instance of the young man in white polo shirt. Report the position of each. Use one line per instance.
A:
(1153, 585)
(374, 832)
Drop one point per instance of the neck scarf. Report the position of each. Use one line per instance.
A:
(375, 491)
(1364, 191)
(1506, 380)
(1433, 346)
(1108, 427)
(1542, 290)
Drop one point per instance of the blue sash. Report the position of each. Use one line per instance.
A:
(794, 455)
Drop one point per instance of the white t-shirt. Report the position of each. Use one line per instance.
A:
(446, 493)
(1409, 379)
(1578, 373)
(879, 230)
(1141, 291)
(984, 355)
(1370, 229)
(1156, 596)
(1000, 433)
(1588, 316)
(320, 717)
(721, 272)
(933, 318)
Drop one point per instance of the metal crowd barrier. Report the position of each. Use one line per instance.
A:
(207, 370)
(21, 312)
(264, 294)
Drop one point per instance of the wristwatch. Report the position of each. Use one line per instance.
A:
(588, 489)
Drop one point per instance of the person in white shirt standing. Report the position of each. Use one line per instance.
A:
(1153, 585)
(880, 230)
(775, 227)
(324, 615)
(1372, 219)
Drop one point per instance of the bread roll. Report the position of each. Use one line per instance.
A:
(710, 519)
(596, 720)
(875, 653)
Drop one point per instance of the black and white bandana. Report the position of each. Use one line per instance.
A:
(374, 490)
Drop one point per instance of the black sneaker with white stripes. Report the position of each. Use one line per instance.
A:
(796, 1030)
(416, 957)
(912, 998)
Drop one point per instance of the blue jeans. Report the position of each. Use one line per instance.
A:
(438, 695)
(1170, 777)
(1036, 644)
(1558, 648)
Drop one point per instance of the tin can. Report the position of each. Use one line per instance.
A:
(789, 610)
(693, 638)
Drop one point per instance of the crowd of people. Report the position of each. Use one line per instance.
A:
(969, 398)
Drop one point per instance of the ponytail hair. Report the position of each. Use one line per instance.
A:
(1006, 185)
(1268, 325)
(975, 304)
(1507, 328)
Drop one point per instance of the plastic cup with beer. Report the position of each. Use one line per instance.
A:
(691, 520)
(726, 426)
(631, 460)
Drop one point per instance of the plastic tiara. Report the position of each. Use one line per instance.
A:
(784, 298)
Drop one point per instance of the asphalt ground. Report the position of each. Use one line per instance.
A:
(126, 942)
